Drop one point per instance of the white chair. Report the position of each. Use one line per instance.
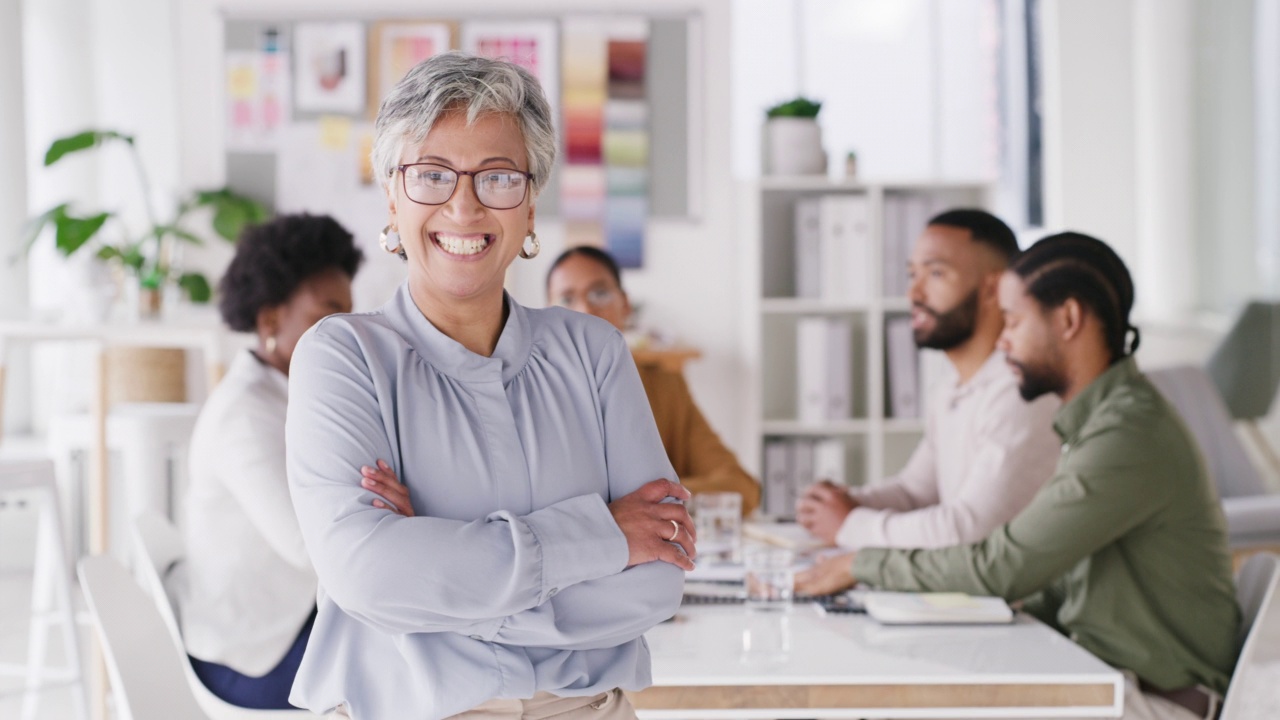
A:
(158, 551)
(1254, 693)
(1252, 511)
(148, 681)
(52, 604)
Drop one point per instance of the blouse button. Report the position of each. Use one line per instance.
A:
(553, 592)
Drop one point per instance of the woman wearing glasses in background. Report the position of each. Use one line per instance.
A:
(548, 535)
(587, 279)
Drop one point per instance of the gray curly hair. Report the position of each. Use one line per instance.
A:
(460, 81)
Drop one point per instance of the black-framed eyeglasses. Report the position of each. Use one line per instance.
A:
(495, 188)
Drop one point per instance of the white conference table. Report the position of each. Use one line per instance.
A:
(844, 666)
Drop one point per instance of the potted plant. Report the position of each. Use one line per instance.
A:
(793, 139)
(144, 255)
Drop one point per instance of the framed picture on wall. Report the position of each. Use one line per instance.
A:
(328, 61)
(396, 46)
(531, 44)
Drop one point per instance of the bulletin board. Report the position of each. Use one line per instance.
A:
(301, 97)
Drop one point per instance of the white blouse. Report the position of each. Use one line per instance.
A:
(248, 585)
(512, 579)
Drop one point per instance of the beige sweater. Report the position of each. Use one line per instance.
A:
(701, 461)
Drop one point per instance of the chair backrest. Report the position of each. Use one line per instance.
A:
(141, 662)
(1255, 685)
(159, 551)
(1193, 394)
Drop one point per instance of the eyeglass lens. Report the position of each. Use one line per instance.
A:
(595, 297)
(495, 188)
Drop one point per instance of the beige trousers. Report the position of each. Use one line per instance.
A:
(612, 705)
(1142, 706)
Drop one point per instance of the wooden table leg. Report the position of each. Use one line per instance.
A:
(99, 507)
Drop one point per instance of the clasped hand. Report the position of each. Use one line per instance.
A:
(823, 510)
(656, 530)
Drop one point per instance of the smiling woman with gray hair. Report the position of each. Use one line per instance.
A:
(549, 534)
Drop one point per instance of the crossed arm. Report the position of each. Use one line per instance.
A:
(577, 574)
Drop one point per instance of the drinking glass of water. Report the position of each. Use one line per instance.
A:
(718, 518)
(770, 578)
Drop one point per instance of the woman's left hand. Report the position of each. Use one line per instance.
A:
(383, 481)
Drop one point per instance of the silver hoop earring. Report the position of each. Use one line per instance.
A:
(390, 240)
(537, 247)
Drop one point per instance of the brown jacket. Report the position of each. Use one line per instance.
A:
(701, 461)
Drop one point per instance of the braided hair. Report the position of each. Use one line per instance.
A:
(1075, 265)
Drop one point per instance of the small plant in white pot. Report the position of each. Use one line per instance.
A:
(793, 139)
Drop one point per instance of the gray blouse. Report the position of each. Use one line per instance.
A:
(512, 578)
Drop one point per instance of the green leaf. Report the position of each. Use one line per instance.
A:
(231, 211)
(179, 233)
(80, 141)
(32, 228)
(152, 280)
(196, 286)
(108, 252)
(133, 258)
(72, 232)
(229, 219)
(257, 211)
(800, 107)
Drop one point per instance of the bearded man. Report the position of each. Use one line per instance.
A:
(986, 451)
(1125, 549)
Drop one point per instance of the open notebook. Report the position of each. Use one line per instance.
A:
(895, 608)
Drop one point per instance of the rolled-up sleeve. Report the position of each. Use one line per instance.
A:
(419, 574)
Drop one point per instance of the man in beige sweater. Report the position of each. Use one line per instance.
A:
(986, 451)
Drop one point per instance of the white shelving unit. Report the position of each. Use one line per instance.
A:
(875, 445)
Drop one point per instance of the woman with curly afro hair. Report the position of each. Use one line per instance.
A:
(250, 593)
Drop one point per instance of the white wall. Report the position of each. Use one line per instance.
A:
(1231, 255)
(677, 289)
(907, 84)
(869, 52)
(1165, 179)
(1150, 144)
(13, 176)
(13, 205)
(1266, 53)
(1089, 120)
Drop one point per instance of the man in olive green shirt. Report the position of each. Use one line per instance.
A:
(1124, 550)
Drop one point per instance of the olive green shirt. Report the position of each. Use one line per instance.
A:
(1124, 549)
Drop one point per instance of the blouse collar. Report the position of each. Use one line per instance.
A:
(449, 356)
